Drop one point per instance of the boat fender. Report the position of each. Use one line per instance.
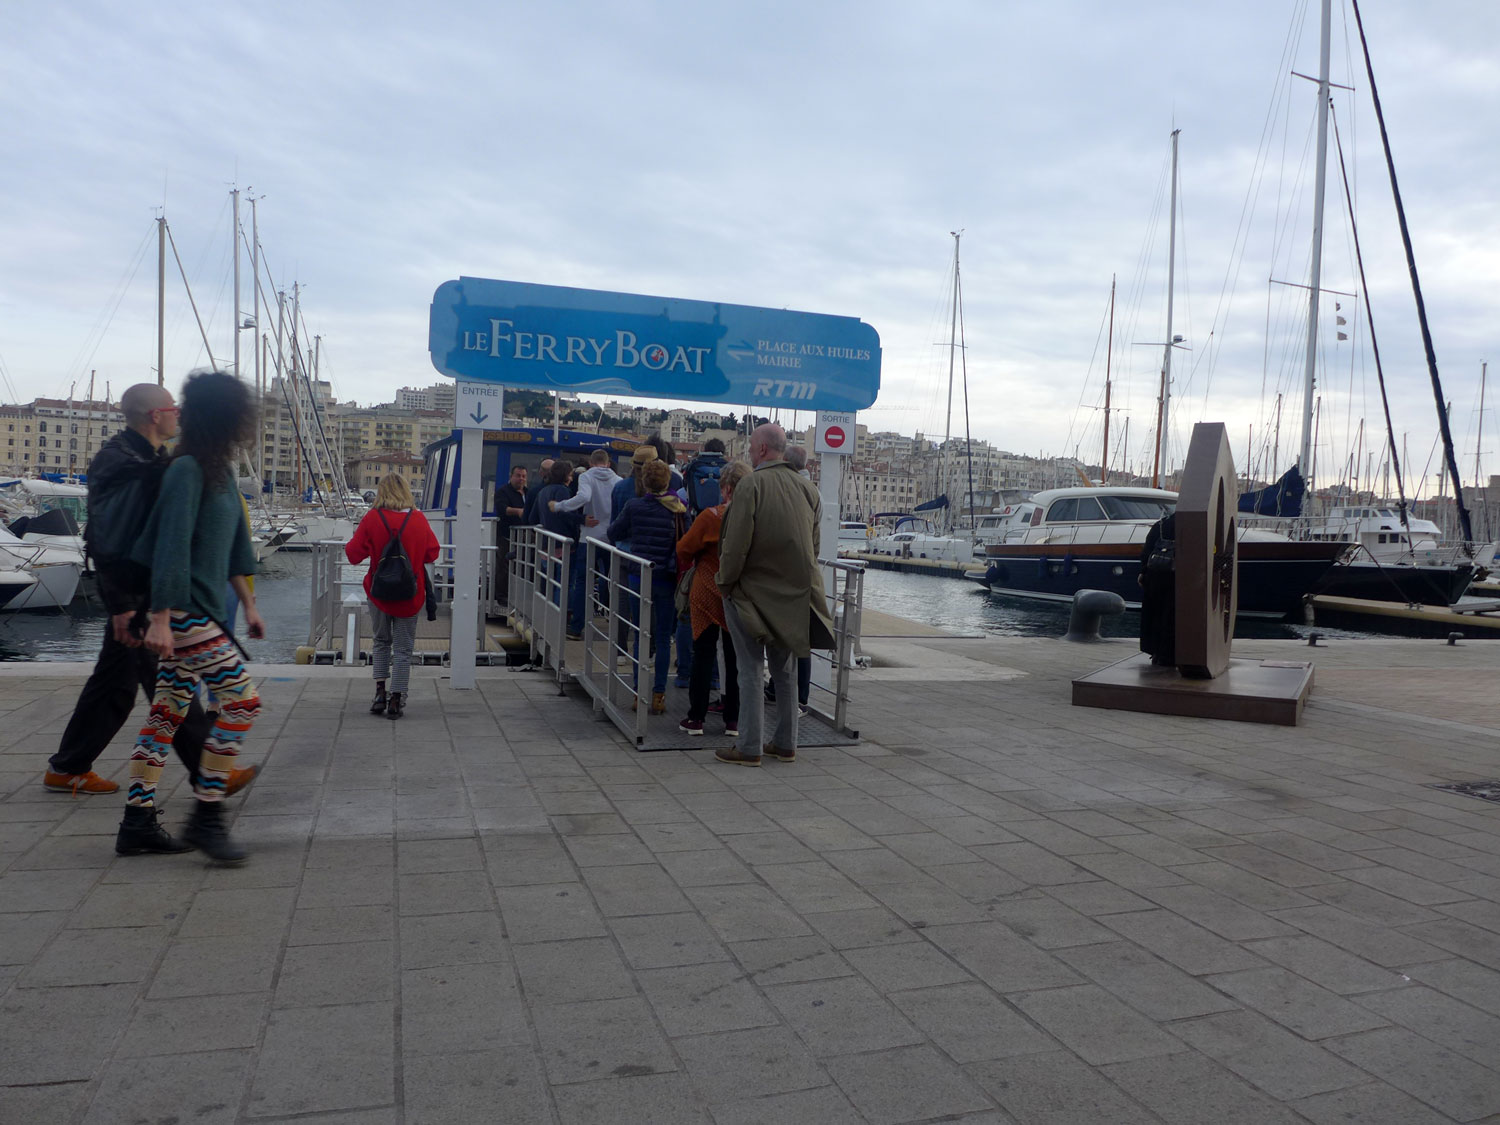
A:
(1043, 567)
(995, 573)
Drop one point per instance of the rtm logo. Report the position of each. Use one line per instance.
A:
(784, 388)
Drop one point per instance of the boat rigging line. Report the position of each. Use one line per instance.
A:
(1411, 264)
(1385, 402)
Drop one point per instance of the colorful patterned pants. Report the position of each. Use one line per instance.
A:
(201, 653)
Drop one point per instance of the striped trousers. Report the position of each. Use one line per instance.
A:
(201, 653)
(390, 651)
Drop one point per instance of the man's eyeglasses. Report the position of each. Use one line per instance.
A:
(167, 410)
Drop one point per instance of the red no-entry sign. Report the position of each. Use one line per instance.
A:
(834, 436)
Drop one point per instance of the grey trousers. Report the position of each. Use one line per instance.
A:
(753, 658)
(390, 655)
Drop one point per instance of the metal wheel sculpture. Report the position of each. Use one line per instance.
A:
(1207, 554)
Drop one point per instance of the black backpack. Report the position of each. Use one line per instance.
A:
(703, 482)
(393, 580)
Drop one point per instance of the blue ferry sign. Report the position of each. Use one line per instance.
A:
(553, 338)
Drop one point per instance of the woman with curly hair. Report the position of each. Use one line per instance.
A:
(195, 543)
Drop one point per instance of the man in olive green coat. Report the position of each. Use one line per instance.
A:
(773, 593)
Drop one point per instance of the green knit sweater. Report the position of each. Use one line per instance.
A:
(193, 542)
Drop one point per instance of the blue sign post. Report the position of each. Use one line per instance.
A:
(552, 338)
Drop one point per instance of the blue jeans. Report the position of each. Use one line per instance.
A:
(663, 625)
(576, 586)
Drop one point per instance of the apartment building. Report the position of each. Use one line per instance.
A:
(50, 435)
(366, 471)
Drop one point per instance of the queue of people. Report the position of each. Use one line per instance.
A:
(733, 578)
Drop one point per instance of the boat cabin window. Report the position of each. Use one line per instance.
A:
(1036, 517)
(1063, 511)
(1088, 509)
(1136, 507)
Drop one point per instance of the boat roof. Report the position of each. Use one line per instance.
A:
(1128, 492)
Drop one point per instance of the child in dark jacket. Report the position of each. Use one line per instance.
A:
(652, 524)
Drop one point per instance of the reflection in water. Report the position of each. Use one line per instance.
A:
(281, 592)
(966, 608)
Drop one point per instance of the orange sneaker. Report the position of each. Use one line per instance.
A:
(76, 783)
(238, 779)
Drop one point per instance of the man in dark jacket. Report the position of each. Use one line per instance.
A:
(510, 507)
(543, 478)
(135, 454)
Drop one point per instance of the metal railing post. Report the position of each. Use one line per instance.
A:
(646, 639)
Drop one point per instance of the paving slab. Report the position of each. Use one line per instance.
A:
(996, 908)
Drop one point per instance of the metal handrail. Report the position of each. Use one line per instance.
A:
(848, 602)
(618, 661)
(540, 574)
(606, 648)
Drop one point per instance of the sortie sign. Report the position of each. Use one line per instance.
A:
(552, 338)
(834, 432)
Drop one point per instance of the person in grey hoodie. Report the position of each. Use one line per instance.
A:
(594, 499)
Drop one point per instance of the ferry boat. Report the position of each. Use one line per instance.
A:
(1089, 538)
(506, 449)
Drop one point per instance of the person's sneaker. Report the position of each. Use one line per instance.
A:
(76, 783)
(207, 831)
(658, 703)
(716, 707)
(395, 707)
(572, 636)
(773, 751)
(691, 726)
(377, 705)
(140, 834)
(735, 758)
(732, 729)
(238, 779)
(681, 682)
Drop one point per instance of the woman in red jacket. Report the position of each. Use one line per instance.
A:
(395, 513)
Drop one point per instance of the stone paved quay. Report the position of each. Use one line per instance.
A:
(996, 908)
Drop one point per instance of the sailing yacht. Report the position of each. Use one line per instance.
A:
(1394, 557)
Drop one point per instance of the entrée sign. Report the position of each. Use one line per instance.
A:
(547, 337)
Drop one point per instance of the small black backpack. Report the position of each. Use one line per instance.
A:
(393, 580)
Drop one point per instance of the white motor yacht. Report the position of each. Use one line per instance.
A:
(57, 571)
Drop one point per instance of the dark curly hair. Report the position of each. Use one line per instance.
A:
(218, 419)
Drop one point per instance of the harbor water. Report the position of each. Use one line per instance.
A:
(282, 592)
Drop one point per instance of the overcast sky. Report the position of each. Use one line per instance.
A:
(804, 155)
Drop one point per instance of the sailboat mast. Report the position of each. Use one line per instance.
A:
(1315, 280)
(161, 300)
(952, 356)
(234, 241)
(1109, 349)
(260, 390)
(1484, 369)
(1158, 461)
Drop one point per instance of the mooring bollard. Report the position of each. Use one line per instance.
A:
(1090, 608)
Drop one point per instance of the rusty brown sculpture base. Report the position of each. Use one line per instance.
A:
(1249, 691)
